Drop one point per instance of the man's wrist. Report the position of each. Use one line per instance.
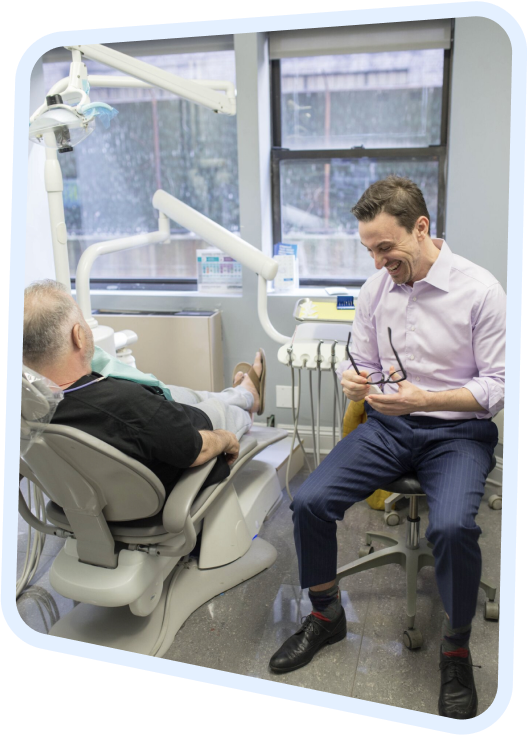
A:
(427, 401)
(458, 399)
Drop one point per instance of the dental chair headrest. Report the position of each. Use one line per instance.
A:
(40, 398)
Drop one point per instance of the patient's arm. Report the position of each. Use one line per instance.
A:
(216, 443)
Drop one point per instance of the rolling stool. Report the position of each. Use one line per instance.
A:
(413, 553)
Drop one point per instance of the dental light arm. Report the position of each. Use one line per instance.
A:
(103, 80)
(90, 255)
(214, 234)
(246, 254)
(190, 90)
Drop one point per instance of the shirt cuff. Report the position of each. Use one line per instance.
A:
(487, 395)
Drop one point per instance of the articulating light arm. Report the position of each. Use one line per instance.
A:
(214, 234)
(190, 90)
(90, 255)
(242, 251)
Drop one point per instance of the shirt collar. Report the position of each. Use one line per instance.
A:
(439, 274)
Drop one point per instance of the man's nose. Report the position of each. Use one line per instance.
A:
(379, 260)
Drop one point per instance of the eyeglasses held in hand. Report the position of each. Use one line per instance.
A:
(377, 378)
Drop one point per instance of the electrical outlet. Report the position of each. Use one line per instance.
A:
(283, 396)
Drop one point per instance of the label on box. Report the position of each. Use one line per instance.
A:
(218, 272)
(285, 255)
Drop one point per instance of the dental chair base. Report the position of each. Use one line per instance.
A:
(187, 588)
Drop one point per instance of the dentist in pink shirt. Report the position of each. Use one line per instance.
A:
(428, 358)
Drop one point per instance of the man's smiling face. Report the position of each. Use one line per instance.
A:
(393, 248)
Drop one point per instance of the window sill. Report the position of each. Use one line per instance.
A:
(308, 292)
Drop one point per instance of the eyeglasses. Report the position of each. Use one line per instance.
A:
(377, 378)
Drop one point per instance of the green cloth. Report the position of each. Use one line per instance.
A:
(111, 367)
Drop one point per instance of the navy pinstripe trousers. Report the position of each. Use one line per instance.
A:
(451, 460)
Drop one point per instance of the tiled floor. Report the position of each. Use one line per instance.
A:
(239, 630)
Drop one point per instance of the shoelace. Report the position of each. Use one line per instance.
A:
(308, 621)
(454, 662)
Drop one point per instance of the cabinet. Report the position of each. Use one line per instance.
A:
(181, 348)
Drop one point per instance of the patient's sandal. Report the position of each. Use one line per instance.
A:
(241, 367)
(259, 382)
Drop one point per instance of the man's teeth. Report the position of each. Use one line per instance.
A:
(394, 267)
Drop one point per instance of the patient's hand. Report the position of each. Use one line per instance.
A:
(215, 443)
(232, 449)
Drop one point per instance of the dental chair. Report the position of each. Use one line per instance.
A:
(127, 557)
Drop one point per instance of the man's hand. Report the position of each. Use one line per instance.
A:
(408, 399)
(355, 386)
(215, 443)
(232, 448)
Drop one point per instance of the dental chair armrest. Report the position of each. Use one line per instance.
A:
(36, 523)
(179, 502)
(26, 472)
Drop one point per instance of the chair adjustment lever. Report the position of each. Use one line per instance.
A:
(157, 550)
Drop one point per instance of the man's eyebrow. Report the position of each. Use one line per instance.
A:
(382, 242)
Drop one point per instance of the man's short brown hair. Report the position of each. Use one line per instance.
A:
(394, 195)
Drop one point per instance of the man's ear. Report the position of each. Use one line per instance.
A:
(77, 336)
(423, 226)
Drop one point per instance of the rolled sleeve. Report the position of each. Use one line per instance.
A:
(488, 340)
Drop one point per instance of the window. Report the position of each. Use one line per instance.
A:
(341, 122)
(157, 141)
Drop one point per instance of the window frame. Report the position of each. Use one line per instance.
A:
(434, 153)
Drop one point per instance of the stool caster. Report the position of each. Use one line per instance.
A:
(413, 638)
(365, 551)
(392, 518)
(492, 610)
(495, 502)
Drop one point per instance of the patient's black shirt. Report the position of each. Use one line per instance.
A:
(139, 421)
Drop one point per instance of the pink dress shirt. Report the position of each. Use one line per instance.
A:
(448, 329)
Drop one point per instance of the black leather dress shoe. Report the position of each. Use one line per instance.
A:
(299, 649)
(458, 697)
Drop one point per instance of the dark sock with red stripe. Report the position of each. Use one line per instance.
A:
(326, 604)
(455, 640)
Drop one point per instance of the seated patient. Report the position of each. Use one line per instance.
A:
(166, 436)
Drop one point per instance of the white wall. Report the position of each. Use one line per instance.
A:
(479, 145)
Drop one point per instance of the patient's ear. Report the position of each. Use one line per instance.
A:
(78, 337)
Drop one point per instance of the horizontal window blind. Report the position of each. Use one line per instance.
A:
(409, 36)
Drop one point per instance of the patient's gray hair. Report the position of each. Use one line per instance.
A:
(49, 316)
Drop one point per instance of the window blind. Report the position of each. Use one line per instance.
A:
(408, 36)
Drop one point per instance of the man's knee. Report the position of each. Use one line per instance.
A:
(307, 504)
(453, 531)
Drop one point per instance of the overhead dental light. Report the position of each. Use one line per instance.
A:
(60, 126)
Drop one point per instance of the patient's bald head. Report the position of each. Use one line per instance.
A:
(55, 330)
